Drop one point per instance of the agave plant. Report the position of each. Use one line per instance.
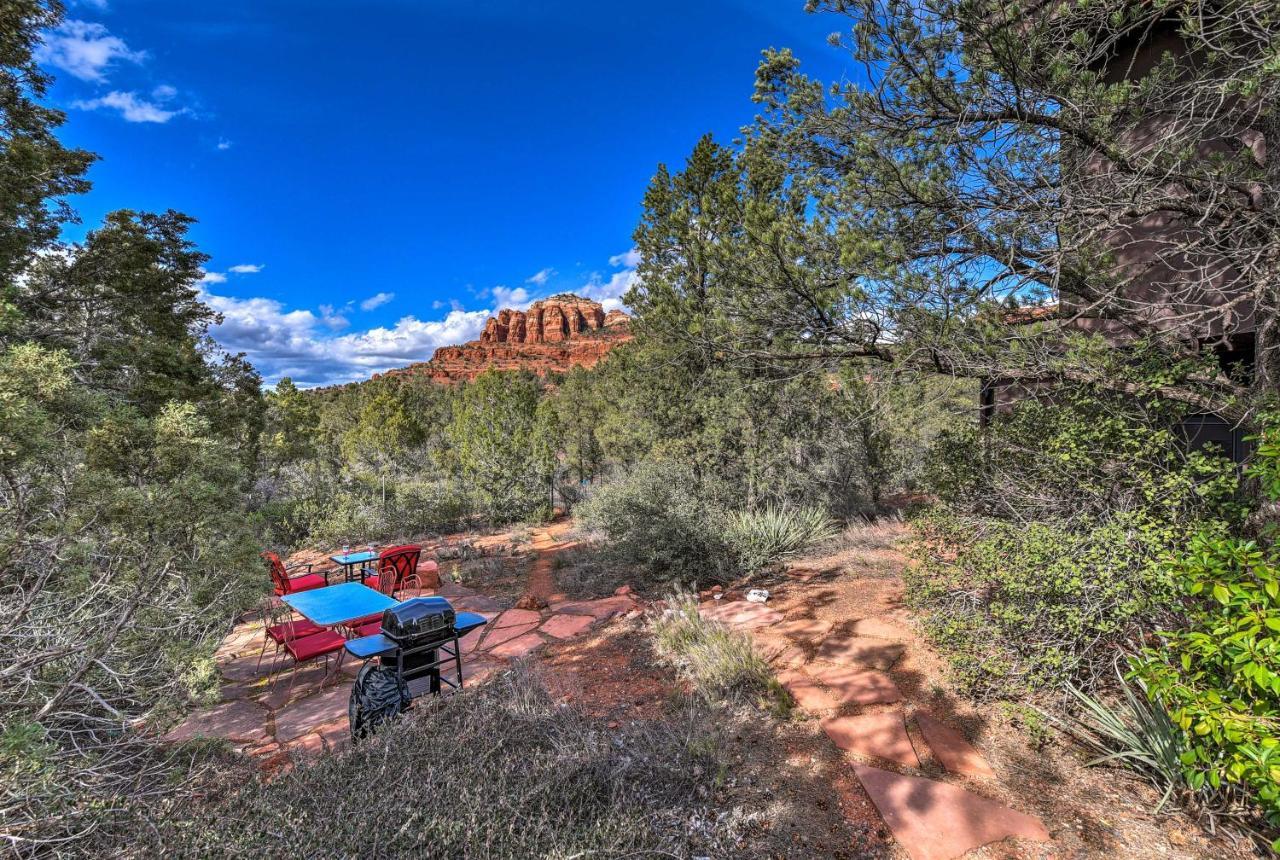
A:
(775, 532)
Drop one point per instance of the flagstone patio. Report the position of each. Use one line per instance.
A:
(280, 720)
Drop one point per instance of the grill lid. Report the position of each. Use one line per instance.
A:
(419, 618)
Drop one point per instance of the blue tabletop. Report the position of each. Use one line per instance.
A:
(338, 603)
(377, 644)
(354, 558)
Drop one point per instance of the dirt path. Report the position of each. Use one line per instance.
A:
(541, 589)
(949, 778)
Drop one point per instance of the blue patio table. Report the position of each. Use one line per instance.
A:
(353, 560)
(338, 604)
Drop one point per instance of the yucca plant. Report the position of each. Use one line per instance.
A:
(775, 532)
(1137, 734)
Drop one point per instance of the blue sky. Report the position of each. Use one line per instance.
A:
(372, 179)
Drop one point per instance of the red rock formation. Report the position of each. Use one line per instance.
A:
(552, 336)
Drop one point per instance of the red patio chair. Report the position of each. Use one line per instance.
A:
(285, 584)
(306, 648)
(278, 634)
(397, 565)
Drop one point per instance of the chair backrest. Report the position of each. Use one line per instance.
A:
(395, 565)
(279, 576)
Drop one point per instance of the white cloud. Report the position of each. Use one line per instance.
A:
(85, 50)
(132, 107)
(164, 93)
(609, 293)
(300, 343)
(505, 297)
(541, 277)
(100, 5)
(375, 301)
(629, 259)
(213, 278)
(247, 268)
(223, 144)
(333, 319)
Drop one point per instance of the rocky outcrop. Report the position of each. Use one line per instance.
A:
(553, 336)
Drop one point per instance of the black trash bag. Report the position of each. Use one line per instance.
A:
(377, 697)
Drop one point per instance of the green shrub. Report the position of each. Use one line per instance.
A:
(1020, 606)
(1136, 733)
(1219, 675)
(718, 663)
(422, 507)
(499, 771)
(775, 532)
(653, 518)
(1079, 460)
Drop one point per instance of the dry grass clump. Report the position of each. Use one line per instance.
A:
(499, 771)
(718, 663)
(881, 534)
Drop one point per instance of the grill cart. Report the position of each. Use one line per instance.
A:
(403, 662)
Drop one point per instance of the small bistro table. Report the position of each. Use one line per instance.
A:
(338, 604)
(352, 561)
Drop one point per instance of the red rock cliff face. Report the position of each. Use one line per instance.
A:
(552, 336)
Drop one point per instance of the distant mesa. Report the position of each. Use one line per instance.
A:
(553, 336)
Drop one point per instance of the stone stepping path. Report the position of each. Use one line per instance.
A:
(850, 673)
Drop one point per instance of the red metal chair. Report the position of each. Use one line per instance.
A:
(306, 648)
(397, 565)
(279, 634)
(285, 584)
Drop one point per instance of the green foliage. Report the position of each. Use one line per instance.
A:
(1218, 673)
(493, 436)
(1019, 606)
(718, 663)
(1081, 457)
(654, 518)
(775, 532)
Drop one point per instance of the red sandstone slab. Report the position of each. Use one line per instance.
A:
(566, 626)
(790, 657)
(877, 735)
(518, 647)
(598, 609)
(952, 749)
(855, 685)
(807, 692)
(739, 613)
(936, 821)
(497, 636)
(514, 617)
(875, 653)
(301, 717)
(805, 629)
(235, 721)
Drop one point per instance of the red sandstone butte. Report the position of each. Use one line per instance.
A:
(553, 336)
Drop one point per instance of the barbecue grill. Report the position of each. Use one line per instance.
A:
(421, 628)
(409, 656)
